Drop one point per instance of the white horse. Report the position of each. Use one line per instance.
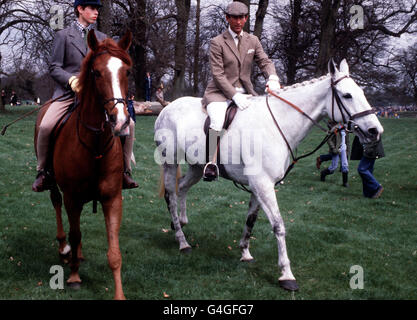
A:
(254, 152)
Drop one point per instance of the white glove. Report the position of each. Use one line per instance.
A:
(73, 82)
(241, 100)
(273, 83)
(342, 147)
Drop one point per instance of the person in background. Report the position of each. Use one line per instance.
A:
(367, 154)
(148, 86)
(3, 97)
(337, 149)
(160, 95)
(13, 99)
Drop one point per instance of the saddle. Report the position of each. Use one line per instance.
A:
(230, 115)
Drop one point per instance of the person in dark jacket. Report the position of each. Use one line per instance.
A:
(68, 51)
(148, 86)
(367, 154)
(13, 99)
(3, 97)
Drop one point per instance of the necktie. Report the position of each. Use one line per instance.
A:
(239, 40)
(85, 31)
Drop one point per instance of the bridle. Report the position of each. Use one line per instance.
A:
(98, 154)
(329, 133)
(347, 123)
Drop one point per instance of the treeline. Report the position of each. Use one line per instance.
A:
(171, 40)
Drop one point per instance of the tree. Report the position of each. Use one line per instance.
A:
(196, 49)
(183, 13)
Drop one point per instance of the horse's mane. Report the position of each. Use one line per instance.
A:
(86, 78)
(304, 83)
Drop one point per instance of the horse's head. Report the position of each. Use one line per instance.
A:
(350, 106)
(109, 68)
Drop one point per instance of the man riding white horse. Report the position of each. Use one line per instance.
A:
(231, 58)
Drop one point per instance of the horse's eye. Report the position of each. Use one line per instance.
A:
(347, 96)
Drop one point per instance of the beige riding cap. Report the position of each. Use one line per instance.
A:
(237, 9)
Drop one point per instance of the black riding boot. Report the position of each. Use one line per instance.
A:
(345, 179)
(324, 173)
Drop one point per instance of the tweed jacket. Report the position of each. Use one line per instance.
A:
(228, 65)
(68, 51)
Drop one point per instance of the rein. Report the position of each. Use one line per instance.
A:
(329, 133)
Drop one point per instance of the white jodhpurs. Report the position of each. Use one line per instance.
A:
(217, 113)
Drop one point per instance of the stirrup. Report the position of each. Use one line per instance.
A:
(211, 177)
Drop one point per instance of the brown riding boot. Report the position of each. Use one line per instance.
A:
(128, 182)
(42, 182)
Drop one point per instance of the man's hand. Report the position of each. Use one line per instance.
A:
(73, 82)
(241, 101)
(273, 83)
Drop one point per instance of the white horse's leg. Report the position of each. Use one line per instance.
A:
(170, 179)
(264, 191)
(193, 175)
(250, 222)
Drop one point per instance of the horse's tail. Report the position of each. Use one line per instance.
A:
(162, 183)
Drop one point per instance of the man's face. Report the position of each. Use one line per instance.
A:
(88, 15)
(236, 23)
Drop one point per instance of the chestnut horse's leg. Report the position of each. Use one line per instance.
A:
(74, 208)
(64, 249)
(112, 209)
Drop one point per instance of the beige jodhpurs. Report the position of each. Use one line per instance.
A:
(55, 111)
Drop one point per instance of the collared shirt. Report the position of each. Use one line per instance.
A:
(83, 30)
(234, 35)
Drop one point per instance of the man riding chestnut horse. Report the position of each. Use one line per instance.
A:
(69, 49)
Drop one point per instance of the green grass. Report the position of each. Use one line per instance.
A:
(329, 229)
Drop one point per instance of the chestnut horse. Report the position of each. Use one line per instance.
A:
(87, 157)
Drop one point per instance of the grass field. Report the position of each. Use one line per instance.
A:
(329, 230)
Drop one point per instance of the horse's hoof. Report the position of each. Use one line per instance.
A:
(248, 260)
(74, 285)
(290, 285)
(186, 250)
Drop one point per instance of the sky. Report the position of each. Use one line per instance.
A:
(402, 42)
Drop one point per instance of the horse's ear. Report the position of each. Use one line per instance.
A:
(332, 67)
(126, 41)
(344, 67)
(92, 40)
